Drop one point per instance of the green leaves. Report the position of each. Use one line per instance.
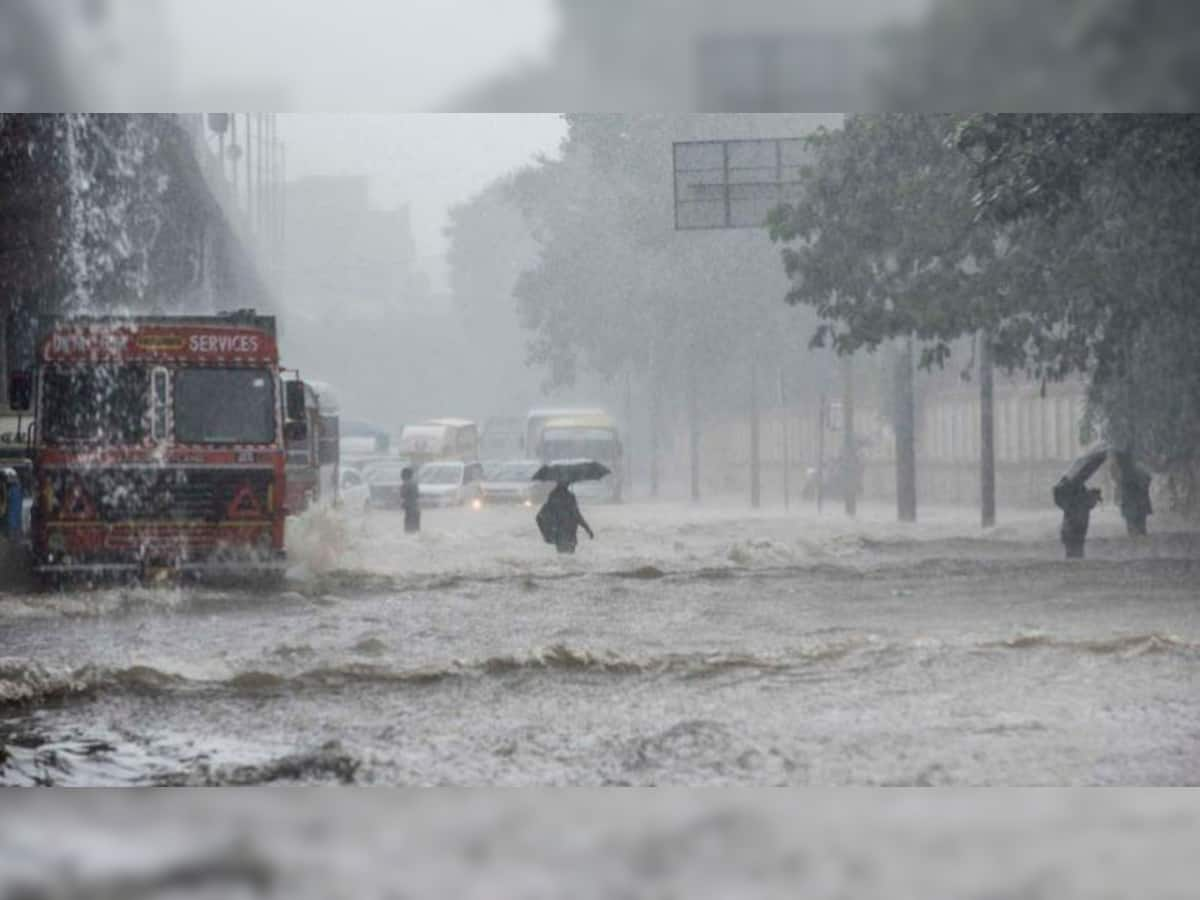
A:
(1073, 240)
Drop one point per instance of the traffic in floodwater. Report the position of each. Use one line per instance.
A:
(685, 645)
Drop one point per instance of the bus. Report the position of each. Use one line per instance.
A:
(586, 436)
(537, 419)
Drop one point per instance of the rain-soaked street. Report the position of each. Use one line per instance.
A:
(687, 645)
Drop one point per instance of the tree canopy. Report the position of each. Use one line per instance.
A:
(1070, 240)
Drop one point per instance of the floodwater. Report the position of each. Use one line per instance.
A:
(687, 645)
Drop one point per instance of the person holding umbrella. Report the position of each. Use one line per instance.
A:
(559, 519)
(1076, 500)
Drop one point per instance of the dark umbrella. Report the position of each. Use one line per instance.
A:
(570, 472)
(1085, 466)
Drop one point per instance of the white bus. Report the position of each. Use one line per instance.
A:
(590, 435)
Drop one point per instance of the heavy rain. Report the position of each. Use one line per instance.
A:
(810, 409)
(741, 447)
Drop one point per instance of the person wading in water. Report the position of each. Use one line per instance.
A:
(560, 519)
(410, 499)
(1076, 500)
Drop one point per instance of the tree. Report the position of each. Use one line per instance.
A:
(616, 290)
(1106, 237)
(1045, 55)
(882, 246)
(1070, 242)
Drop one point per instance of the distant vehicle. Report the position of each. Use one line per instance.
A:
(358, 440)
(353, 490)
(313, 457)
(509, 481)
(361, 464)
(593, 436)
(502, 438)
(441, 439)
(384, 481)
(536, 421)
(451, 484)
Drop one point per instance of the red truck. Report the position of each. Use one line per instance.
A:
(158, 443)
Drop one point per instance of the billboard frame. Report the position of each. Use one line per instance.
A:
(728, 223)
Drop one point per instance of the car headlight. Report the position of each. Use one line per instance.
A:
(528, 501)
(477, 503)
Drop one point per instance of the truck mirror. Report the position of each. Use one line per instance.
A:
(293, 393)
(20, 391)
(295, 432)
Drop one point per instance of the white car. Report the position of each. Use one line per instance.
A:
(509, 481)
(450, 484)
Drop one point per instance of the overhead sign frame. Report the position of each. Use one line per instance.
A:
(726, 184)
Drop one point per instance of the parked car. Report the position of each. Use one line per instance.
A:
(383, 484)
(508, 481)
(449, 483)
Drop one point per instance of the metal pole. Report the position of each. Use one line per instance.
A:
(906, 450)
(260, 171)
(249, 171)
(627, 455)
(233, 140)
(987, 434)
(654, 414)
(849, 443)
(755, 473)
(693, 402)
(282, 198)
(821, 452)
(787, 460)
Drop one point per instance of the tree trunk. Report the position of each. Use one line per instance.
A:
(755, 480)
(906, 436)
(987, 434)
(849, 442)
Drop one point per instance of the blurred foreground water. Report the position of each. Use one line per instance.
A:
(1061, 844)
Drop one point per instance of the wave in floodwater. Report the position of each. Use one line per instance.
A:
(26, 682)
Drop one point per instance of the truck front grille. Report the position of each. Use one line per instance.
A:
(171, 494)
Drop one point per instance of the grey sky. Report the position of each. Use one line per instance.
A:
(353, 55)
(425, 160)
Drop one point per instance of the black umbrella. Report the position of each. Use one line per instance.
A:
(572, 471)
(1085, 466)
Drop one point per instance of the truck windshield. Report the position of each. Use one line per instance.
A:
(224, 406)
(105, 404)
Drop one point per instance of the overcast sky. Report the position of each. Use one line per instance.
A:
(352, 55)
(428, 161)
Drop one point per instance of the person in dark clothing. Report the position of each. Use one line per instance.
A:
(410, 499)
(1076, 500)
(560, 519)
(1134, 484)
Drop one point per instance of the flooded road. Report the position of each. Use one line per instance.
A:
(685, 646)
